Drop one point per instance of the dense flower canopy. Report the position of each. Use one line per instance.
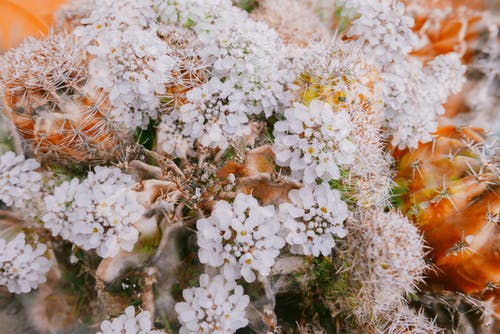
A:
(200, 166)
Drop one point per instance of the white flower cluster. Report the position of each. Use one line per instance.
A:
(314, 142)
(314, 215)
(98, 213)
(19, 179)
(249, 69)
(240, 237)
(446, 75)
(129, 59)
(216, 307)
(382, 25)
(22, 268)
(129, 323)
(413, 96)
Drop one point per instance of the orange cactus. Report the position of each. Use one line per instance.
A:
(51, 104)
(83, 136)
(22, 18)
(450, 190)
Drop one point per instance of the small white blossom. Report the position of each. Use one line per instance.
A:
(413, 96)
(314, 141)
(313, 217)
(98, 213)
(241, 237)
(383, 26)
(447, 75)
(129, 323)
(22, 267)
(19, 180)
(216, 307)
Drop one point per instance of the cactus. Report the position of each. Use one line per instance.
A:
(449, 188)
(47, 98)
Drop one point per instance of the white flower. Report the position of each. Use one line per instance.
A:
(383, 26)
(447, 75)
(98, 213)
(129, 60)
(129, 323)
(173, 139)
(22, 267)
(314, 141)
(19, 180)
(248, 71)
(241, 237)
(413, 96)
(216, 307)
(314, 215)
(120, 211)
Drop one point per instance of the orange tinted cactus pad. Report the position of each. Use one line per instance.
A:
(450, 190)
